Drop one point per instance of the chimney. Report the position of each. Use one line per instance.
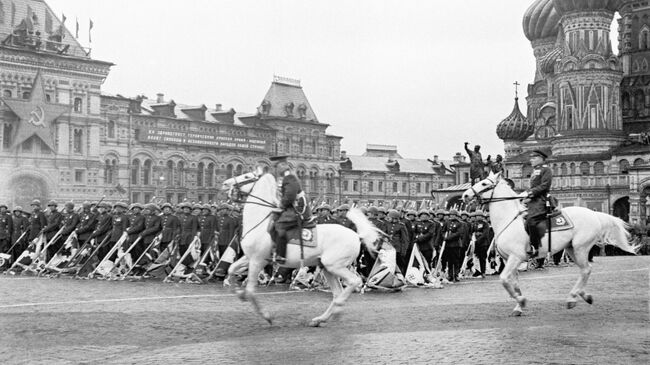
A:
(435, 159)
(160, 98)
(217, 107)
(344, 155)
(458, 158)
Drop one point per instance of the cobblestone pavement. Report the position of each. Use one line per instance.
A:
(64, 321)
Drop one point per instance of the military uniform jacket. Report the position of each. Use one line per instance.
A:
(171, 227)
(87, 223)
(467, 233)
(208, 225)
(228, 228)
(6, 226)
(379, 223)
(540, 184)
(410, 228)
(292, 196)
(21, 224)
(120, 223)
(482, 234)
(104, 225)
(345, 222)
(136, 225)
(69, 223)
(151, 228)
(189, 228)
(439, 235)
(454, 237)
(327, 219)
(398, 236)
(37, 222)
(53, 224)
(425, 232)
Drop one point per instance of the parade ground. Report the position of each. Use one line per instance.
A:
(66, 321)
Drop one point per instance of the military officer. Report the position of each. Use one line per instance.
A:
(398, 237)
(535, 198)
(6, 228)
(21, 225)
(424, 233)
(343, 217)
(171, 226)
(87, 223)
(454, 245)
(325, 215)
(54, 220)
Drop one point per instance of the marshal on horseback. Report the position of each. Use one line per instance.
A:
(334, 247)
(511, 240)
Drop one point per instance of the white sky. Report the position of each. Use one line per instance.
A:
(423, 75)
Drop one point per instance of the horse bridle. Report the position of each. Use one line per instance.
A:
(491, 199)
(241, 196)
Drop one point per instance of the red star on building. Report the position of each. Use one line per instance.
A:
(36, 115)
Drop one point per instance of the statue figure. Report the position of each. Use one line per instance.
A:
(476, 165)
(495, 166)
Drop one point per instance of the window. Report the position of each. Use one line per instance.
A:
(48, 98)
(465, 177)
(418, 187)
(135, 198)
(355, 186)
(563, 170)
(2, 13)
(209, 176)
(79, 176)
(371, 186)
(26, 95)
(28, 145)
(7, 133)
(584, 168)
(146, 176)
(404, 189)
(394, 187)
(199, 174)
(210, 198)
(315, 147)
(239, 170)
(380, 186)
(180, 174)
(147, 197)
(229, 171)
(599, 168)
(78, 136)
(108, 172)
(170, 198)
(330, 151)
(346, 185)
(7, 94)
(170, 174)
(427, 187)
(111, 129)
(638, 162)
(572, 168)
(135, 172)
(78, 105)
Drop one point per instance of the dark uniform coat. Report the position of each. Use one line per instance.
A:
(540, 184)
(104, 225)
(120, 223)
(136, 225)
(228, 228)
(327, 219)
(69, 223)
(6, 231)
(171, 227)
(37, 222)
(293, 203)
(398, 236)
(424, 233)
(208, 225)
(87, 223)
(21, 224)
(482, 234)
(189, 228)
(53, 224)
(152, 226)
(454, 236)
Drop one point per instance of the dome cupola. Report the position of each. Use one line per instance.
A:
(516, 126)
(541, 20)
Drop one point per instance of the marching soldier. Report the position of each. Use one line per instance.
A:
(119, 225)
(208, 225)
(6, 228)
(228, 228)
(54, 220)
(454, 245)
(69, 223)
(424, 233)
(136, 226)
(398, 237)
(171, 226)
(189, 229)
(87, 223)
(482, 243)
(535, 198)
(37, 221)
(152, 226)
(325, 215)
(104, 223)
(21, 225)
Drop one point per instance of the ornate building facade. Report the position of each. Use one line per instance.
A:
(62, 138)
(580, 106)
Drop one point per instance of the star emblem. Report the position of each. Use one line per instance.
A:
(36, 115)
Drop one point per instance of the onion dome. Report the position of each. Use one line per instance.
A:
(515, 127)
(541, 20)
(565, 6)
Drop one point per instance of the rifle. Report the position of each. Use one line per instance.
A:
(438, 267)
(470, 250)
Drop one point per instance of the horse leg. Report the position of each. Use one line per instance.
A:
(581, 259)
(337, 289)
(254, 268)
(509, 282)
(350, 279)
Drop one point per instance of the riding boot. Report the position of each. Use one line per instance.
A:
(281, 249)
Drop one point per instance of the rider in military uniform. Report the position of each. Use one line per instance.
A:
(293, 204)
(535, 198)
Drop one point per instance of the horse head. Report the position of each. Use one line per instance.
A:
(482, 189)
(241, 185)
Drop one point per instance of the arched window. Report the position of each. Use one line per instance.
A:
(584, 168)
(313, 182)
(135, 172)
(572, 169)
(315, 147)
(77, 141)
(643, 38)
(209, 175)
(26, 95)
(229, 171)
(6, 94)
(623, 166)
(599, 168)
(555, 169)
(199, 174)
(7, 131)
(108, 173)
(170, 173)
(111, 129)
(563, 169)
(180, 181)
(239, 170)
(78, 105)
(638, 162)
(147, 173)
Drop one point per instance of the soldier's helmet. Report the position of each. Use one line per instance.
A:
(197, 206)
(393, 214)
(69, 205)
(372, 209)
(105, 205)
(364, 210)
(440, 212)
(223, 206)
(122, 205)
(136, 206)
(167, 205)
(36, 202)
(343, 207)
(382, 209)
(423, 212)
(325, 207)
(52, 203)
(411, 212)
(206, 206)
(453, 213)
(18, 208)
(151, 207)
(86, 204)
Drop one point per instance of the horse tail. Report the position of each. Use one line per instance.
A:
(368, 233)
(616, 233)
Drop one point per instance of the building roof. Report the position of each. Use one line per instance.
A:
(406, 165)
(286, 99)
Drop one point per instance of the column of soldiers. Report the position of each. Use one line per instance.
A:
(428, 229)
(145, 232)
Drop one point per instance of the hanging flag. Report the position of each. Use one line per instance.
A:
(63, 19)
(76, 33)
(90, 28)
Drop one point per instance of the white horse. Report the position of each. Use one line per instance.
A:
(506, 215)
(337, 246)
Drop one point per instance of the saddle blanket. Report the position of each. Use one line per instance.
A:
(309, 238)
(560, 222)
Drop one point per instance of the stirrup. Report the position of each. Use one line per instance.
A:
(533, 252)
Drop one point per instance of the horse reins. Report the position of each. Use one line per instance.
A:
(264, 202)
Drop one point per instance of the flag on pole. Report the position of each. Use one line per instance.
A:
(76, 33)
(63, 18)
(228, 257)
(90, 28)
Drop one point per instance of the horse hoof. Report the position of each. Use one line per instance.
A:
(522, 302)
(241, 294)
(589, 299)
(314, 323)
(516, 313)
(268, 318)
(570, 305)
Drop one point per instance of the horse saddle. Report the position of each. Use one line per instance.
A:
(308, 236)
(560, 221)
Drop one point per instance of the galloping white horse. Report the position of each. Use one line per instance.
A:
(337, 246)
(589, 227)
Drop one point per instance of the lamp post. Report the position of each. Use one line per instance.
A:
(161, 185)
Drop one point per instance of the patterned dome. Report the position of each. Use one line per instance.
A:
(564, 6)
(515, 127)
(541, 20)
